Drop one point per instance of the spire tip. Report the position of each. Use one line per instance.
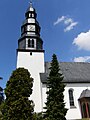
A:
(30, 3)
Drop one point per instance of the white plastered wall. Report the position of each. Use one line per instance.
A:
(72, 113)
(35, 64)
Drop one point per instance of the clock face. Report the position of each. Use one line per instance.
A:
(31, 27)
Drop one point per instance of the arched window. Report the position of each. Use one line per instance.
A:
(31, 43)
(30, 15)
(71, 98)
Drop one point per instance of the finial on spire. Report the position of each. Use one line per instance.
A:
(30, 3)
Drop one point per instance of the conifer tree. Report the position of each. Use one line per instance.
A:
(55, 106)
(1, 95)
(17, 106)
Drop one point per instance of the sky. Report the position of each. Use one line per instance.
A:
(65, 30)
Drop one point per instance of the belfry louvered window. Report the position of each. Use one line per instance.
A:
(31, 43)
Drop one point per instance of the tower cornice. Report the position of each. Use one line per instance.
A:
(28, 50)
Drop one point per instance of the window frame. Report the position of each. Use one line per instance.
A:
(71, 98)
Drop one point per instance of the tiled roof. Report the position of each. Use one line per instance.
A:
(74, 72)
(85, 94)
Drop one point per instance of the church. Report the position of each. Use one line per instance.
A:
(30, 55)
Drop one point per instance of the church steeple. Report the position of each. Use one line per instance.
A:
(30, 32)
(30, 53)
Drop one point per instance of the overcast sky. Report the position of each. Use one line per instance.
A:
(65, 30)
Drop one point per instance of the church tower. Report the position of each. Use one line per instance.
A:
(30, 53)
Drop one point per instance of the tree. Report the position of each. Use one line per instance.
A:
(38, 116)
(1, 101)
(17, 106)
(1, 95)
(55, 106)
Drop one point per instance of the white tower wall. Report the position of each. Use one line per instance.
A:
(35, 64)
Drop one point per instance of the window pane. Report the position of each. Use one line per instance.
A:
(32, 43)
(29, 43)
(71, 99)
(32, 15)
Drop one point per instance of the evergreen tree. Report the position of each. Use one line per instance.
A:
(17, 106)
(1, 100)
(1, 95)
(38, 116)
(55, 106)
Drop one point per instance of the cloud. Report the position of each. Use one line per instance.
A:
(82, 59)
(59, 20)
(82, 41)
(71, 26)
(68, 22)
